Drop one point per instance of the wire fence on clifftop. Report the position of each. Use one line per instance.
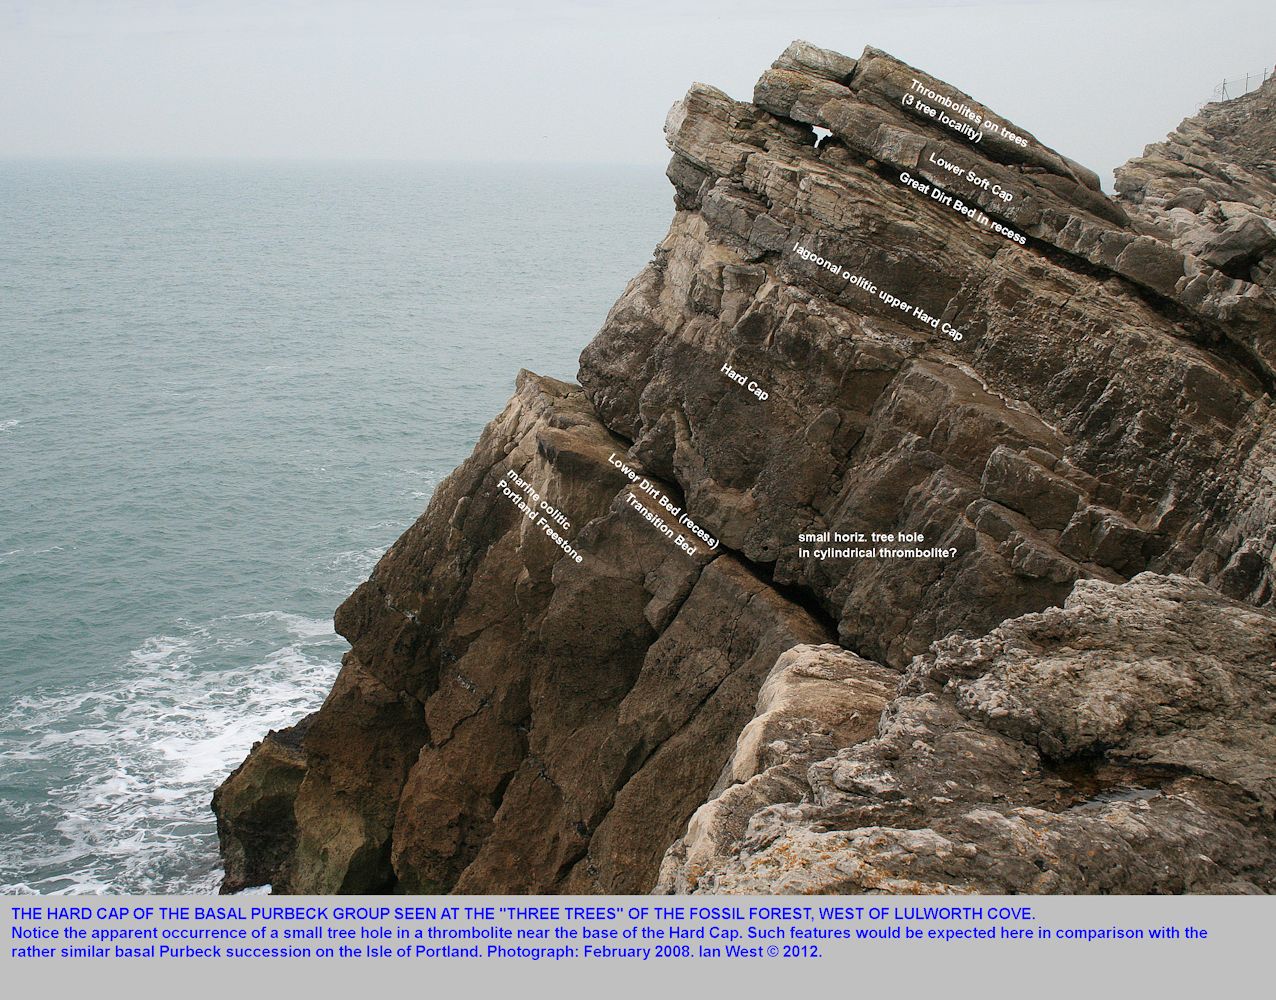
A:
(1239, 86)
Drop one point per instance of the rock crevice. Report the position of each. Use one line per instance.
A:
(1077, 695)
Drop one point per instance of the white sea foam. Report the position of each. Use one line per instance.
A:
(115, 778)
(356, 564)
(7, 556)
(423, 483)
(298, 625)
(136, 763)
(8, 425)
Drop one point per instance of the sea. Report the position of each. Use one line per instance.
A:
(225, 389)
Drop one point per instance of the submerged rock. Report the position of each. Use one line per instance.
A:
(912, 402)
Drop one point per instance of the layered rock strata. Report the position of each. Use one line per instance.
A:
(1123, 743)
(635, 637)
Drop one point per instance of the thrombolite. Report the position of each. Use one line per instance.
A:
(1080, 699)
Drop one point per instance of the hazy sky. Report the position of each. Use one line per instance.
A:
(571, 80)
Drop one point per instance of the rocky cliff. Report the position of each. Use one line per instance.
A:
(910, 529)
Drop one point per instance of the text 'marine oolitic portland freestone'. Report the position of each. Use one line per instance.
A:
(651, 634)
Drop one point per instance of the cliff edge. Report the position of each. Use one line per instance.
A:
(910, 529)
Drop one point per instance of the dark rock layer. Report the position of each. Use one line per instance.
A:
(513, 719)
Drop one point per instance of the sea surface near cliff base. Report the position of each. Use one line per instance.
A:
(227, 388)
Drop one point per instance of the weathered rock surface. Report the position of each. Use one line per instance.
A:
(507, 716)
(816, 700)
(258, 847)
(1123, 743)
(1089, 469)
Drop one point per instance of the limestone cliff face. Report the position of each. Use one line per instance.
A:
(1073, 407)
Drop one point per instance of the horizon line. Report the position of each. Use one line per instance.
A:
(332, 160)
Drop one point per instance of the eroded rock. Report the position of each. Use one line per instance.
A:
(910, 389)
(1122, 743)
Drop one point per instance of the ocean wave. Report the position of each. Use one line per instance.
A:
(298, 625)
(421, 483)
(355, 566)
(8, 425)
(6, 556)
(114, 780)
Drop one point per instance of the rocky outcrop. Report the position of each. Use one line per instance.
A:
(713, 618)
(508, 716)
(1123, 743)
(259, 846)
